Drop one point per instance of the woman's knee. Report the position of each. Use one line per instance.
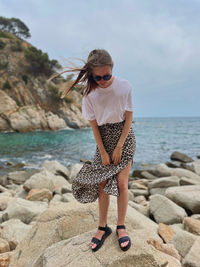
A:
(122, 185)
(102, 184)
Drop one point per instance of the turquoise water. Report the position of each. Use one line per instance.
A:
(156, 139)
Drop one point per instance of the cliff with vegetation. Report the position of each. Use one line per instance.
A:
(27, 101)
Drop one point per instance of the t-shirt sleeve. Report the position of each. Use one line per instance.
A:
(87, 109)
(129, 101)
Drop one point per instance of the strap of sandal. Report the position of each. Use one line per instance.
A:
(95, 240)
(121, 227)
(123, 239)
(102, 228)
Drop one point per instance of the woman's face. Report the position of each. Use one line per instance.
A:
(101, 71)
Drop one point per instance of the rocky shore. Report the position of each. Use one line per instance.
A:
(27, 102)
(42, 225)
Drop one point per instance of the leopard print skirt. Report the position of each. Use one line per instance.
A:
(85, 186)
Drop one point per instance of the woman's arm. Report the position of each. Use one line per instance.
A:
(126, 128)
(97, 135)
(105, 158)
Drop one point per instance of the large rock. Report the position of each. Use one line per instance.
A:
(166, 232)
(4, 246)
(182, 240)
(43, 179)
(65, 220)
(192, 225)
(14, 230)
(162, 170)
(193, 256)
(18, 177)
(180, 157)
(6, 103)
(148, 175)
(31, 117)
(165, 211)
(158, 190)
(23, 210)
(189, 181)
(73, 116)
(196, 166)
(56, 168)
(39, 195)
(75, 168)
(4, 200)
(54, 122)
(187, 196)
(142, 209)
(64, 253)
(164, 182)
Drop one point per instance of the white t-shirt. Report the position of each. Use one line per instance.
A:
(108, 105)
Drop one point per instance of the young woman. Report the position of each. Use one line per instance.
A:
(107, 104)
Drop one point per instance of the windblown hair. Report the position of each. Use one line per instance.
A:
(96, 58)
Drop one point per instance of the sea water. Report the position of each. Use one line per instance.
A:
(156, 139)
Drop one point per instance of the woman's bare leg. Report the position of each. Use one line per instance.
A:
(122, 200)
(103, 201)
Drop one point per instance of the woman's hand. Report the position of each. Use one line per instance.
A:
(116, 155)
(105, 158)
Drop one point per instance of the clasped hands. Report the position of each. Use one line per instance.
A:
(116, 156)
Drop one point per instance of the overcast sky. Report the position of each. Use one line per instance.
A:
(154, 44)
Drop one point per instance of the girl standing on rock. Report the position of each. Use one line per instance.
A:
(107, 104)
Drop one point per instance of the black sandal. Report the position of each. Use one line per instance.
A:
(123, 239)
(99, 242)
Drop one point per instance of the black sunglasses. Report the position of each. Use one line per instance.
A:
(105, 77)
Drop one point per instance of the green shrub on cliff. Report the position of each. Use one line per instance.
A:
(40, 62)
(25, 78)
(16, 46)
(54, 91)
(2, 44)
(6, 85)
(3, 65)
(5, 35)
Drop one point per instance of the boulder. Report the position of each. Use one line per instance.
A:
(189, 181)
(74, 171)
(43, 179)
(148, 175)
(196, 166)
(164, 182)
(166, 232)
(180, 157)
(4, 246)
(18, 177)
(4, 200)
(64, 253)
(14, 230)
(163, 170)
(192, 225)
(62, 221)
(142, 209)
(6, 103)
(165, 211)
(187, 196)
(158, 190)
(39, 195)
(193, 256)
(56, 168)
(182, 240)
(23, 210)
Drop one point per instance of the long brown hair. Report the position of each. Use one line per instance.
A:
(96, 58)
